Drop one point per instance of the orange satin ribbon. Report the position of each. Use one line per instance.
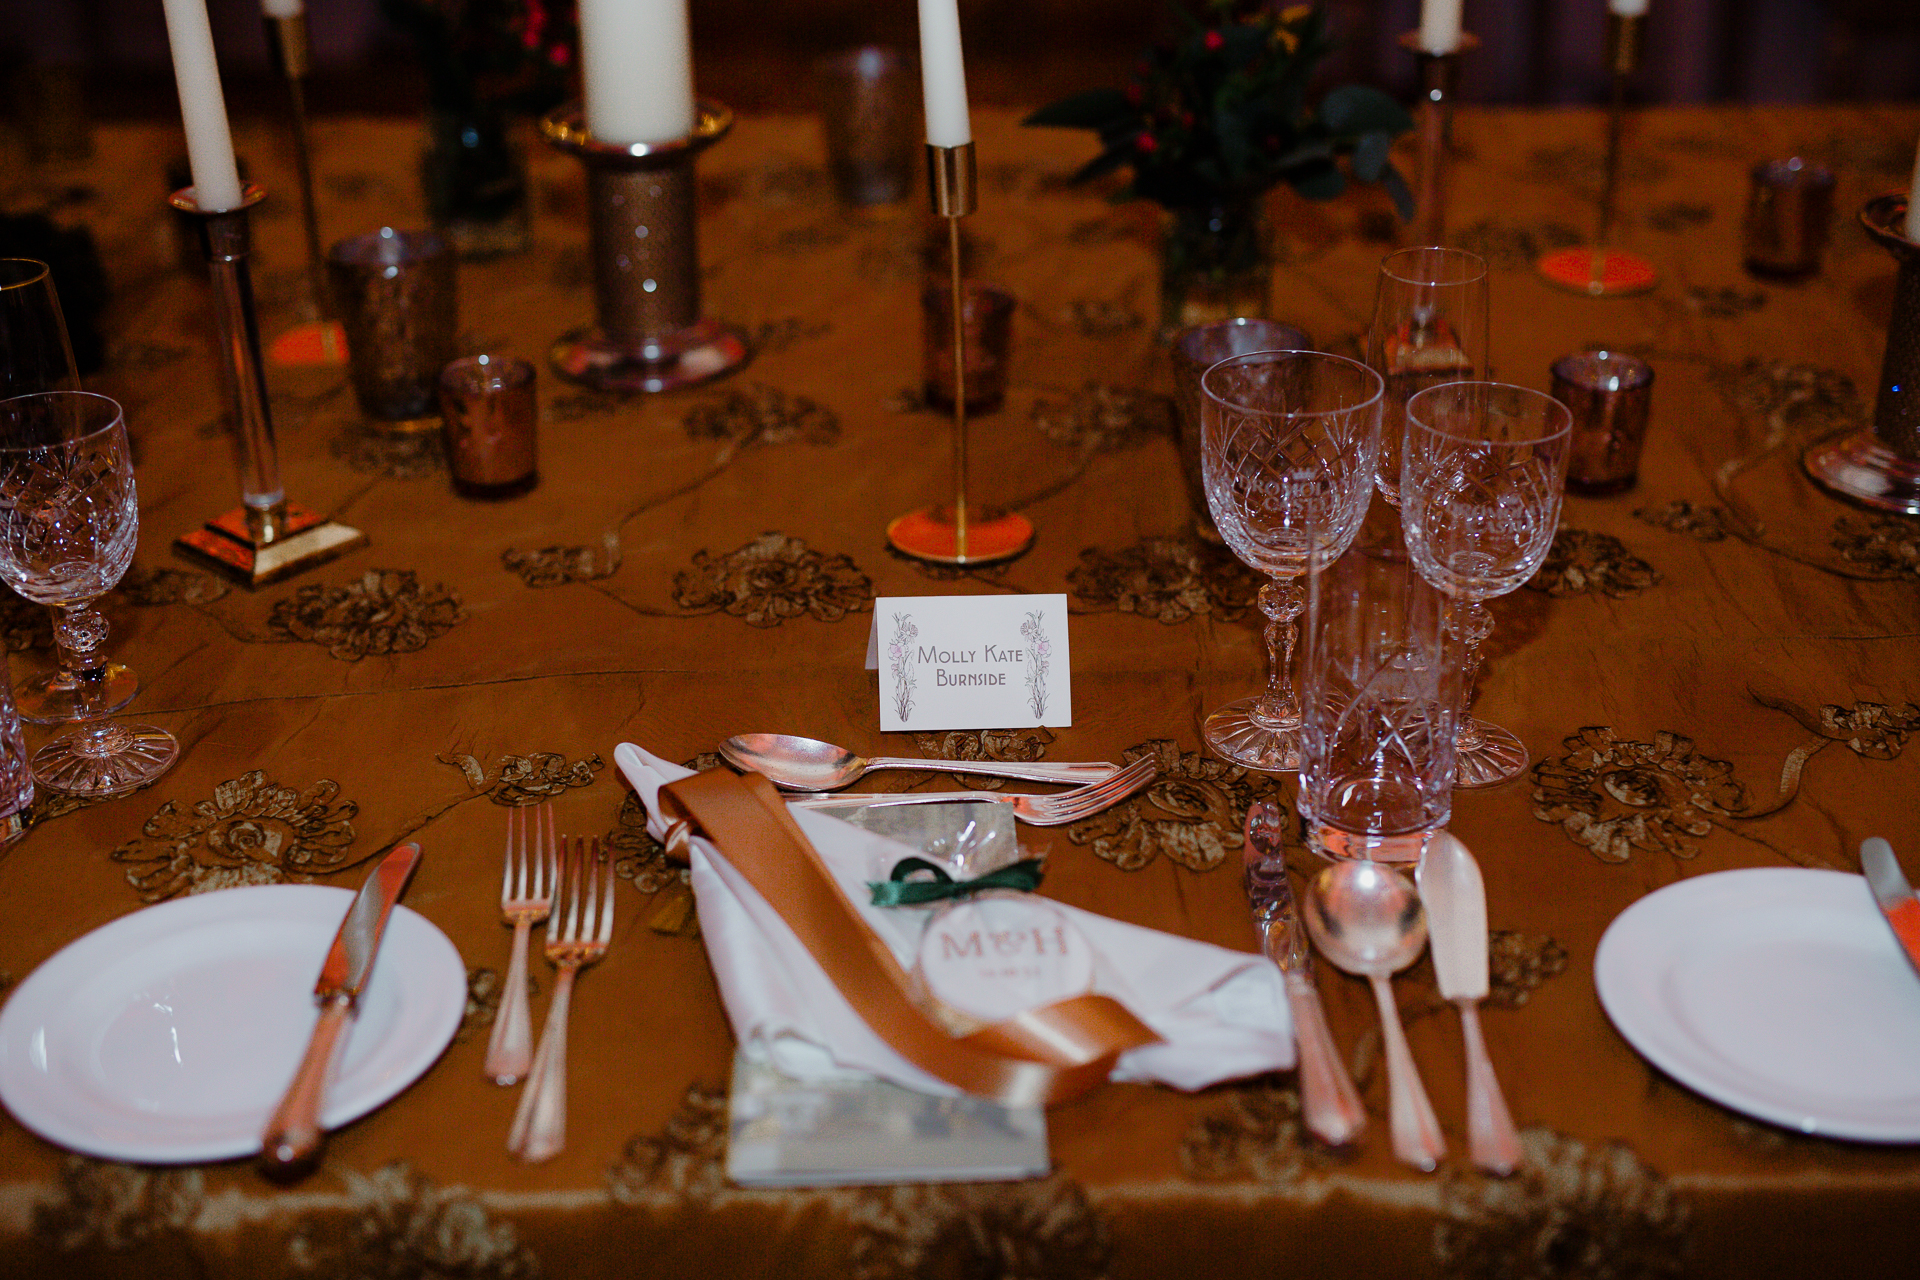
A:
(1044, 1055)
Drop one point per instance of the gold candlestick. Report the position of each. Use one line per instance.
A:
(956, 534)
(1598, 269)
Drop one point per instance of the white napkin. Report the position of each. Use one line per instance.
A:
(1220, 1014)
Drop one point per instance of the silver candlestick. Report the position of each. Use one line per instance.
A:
(1439, 89)
(650, 335)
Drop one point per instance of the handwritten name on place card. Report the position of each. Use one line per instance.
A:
(971, 662)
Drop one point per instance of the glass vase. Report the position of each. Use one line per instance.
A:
(1216, 263)
(474, 174)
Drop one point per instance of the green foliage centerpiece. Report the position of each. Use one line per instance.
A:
(1213, 119)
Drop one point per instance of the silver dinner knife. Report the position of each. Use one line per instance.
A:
(293, 1136)
(1891, 891)
(1329, 1103)
(1456, 901)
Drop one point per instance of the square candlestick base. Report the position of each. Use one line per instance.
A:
(931, 534)
(305, 539)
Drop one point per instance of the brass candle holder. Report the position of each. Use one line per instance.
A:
(1879, 466)
(265, 538)
(1439, 90)
(1598, 269)
(650, 335)
(320, 340)
(956, 534)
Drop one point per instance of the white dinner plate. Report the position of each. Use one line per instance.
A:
(171, 1034)
(1779, 992)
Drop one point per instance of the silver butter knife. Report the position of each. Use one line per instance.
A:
(1891, 891)
(1328, 1101)
(1456, 901)
(293, 1136)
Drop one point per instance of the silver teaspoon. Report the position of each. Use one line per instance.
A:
(807, 764)
(1366, 918)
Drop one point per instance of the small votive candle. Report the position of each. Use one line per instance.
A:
(488, 405)
(1610, 395)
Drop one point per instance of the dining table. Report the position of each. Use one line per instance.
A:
(1716, 670)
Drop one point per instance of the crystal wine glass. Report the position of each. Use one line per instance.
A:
(1288, 441)
(68, 523)
(1481, 476)
(1429, 327)
(35, 353)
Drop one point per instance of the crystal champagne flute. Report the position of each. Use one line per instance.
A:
(69, 520)
(1288, 446)
(1429, 327)
(1481, 476)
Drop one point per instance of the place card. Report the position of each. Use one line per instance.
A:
(971, 662)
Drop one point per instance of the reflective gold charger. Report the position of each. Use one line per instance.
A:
(1715, 670)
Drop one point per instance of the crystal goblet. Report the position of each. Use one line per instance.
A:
(1288, 441)
(69, 520)
(1482, 471)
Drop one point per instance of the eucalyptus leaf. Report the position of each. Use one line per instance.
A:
(1396, 187)
(1354, 109)
(1319, 182)
(1370, 156)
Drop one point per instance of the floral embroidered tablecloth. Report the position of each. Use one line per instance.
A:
(1718, 669)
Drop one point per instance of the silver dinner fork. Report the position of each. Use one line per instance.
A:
(1040, 811)
(574, 940)
(526, 893)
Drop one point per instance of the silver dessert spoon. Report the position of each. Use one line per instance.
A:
(807, 764)
(1367, 919)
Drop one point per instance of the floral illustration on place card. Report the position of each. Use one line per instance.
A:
(1166, 579)
(680, 1164)
(529, 779)
(251, 831)
(400, 1223)
(1008, 746)
(1194, 813)
(1255, 1137)
(1571, 1210)
(1581, 562)
(773, 579)
(559, 566)
(383, 612)
(900, 663)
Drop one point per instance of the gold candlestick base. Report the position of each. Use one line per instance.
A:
(257, 547)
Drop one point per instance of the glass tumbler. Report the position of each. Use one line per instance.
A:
(1382, 680)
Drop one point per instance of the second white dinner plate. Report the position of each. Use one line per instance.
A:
(170, 1034)
(1779, 992)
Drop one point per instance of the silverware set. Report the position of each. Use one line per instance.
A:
(1368, 920)
(567, 882)
(1041, 811)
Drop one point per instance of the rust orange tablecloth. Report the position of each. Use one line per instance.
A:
(1718, 669)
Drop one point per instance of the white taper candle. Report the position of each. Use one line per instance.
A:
(636, 70)
(943, 74)
(1440, 25)
(216, 177)
(1627, 8)
(283, 8)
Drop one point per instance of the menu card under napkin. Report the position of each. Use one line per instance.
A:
(1220, 1014)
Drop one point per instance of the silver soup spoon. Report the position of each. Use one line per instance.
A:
(807, 764)
(1366, 918)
